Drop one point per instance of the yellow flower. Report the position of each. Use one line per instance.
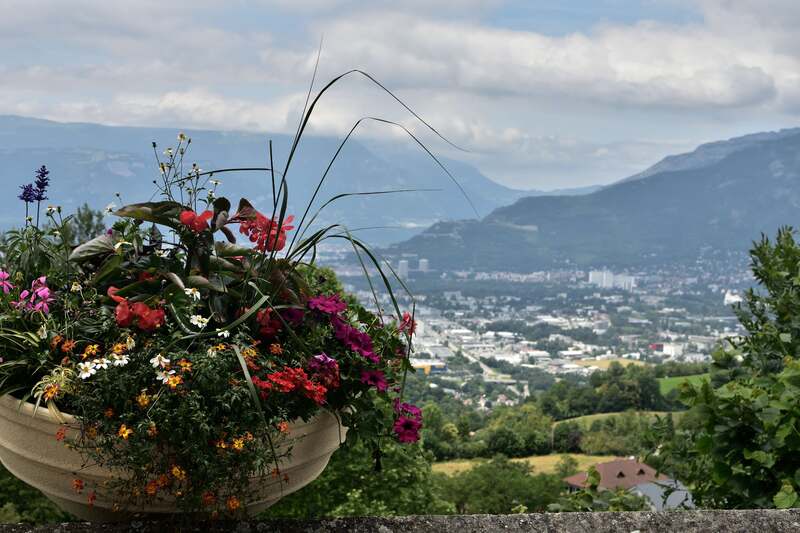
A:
(51, 391)
(143, 399)
(119, 348)
(233, 503)
(275, 349)
(249, 352)
(178, 473)
(238, 444)
(173, 381)
(91, 350)
(185, 365)
(124, 432)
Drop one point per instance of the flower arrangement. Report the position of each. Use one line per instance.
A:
(185, 355)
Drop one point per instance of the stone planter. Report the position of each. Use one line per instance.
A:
(30, 451)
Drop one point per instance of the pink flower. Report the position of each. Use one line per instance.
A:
(4, 283)
(325, 370)
(374, 378)
(330, 305)
(354, 339)
(408, 324)
(407, 429)
(38, 298)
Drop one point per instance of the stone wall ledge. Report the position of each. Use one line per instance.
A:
(744, 521)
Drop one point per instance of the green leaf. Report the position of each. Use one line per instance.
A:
(760, 456)
(785, 337)
(785, 498)
(100, 245)
(165, 213)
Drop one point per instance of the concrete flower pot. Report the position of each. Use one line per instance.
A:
(30, 451)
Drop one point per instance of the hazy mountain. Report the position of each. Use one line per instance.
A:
(722, 196)
(90, 163)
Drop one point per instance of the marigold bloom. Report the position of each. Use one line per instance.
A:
(151, 489)
(238, 444)
(68, 346)
(109, 413)
(61, 434)
(55, 341)
(143, 399)
(91, 433)
(275, 349)
(124, 431)
(119, 348)
(91, 350)
(283, 426)
(51, 391)
(77, 485)
(173, 381)
(162, 481)
(178, 473)
(185, 365)
(209, 499)
(248, 352)
(233, 503)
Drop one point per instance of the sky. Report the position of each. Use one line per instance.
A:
(538, 94)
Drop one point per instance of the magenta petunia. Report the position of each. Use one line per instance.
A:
(330, 305)
(374, 378)
(325, 370)
(5, 285)
(407, 429)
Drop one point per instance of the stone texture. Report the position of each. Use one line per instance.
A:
(760, 521)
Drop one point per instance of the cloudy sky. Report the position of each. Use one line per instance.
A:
(543, 94)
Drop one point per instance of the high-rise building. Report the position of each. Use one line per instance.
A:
(402, 269)
(424, 266)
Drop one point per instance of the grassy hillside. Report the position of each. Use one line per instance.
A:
(542, 464)
(603, 364)
(668, 384)
(586, 421)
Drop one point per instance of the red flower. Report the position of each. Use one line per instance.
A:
(265, 233)
(408, 324)
(147, 318)
(289, 380)
(269, 326)
(195, 222)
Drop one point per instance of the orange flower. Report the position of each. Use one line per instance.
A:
(51, 391)
(109, 413)
(233, 503)
(248, 353)
(222, 445)
(77, 484)
(275, 349)
(178, 473)
(91, 350)
(68, 346)
(90, 498)
(124, 431)
(238, 444)
(91, 433)
(185, 365)
(173, 381)
(119, 348)
(163, 480)
(209, 498)
(55, 341)
(143, 399)
(61, 433)
(283, 427)
(152, 488)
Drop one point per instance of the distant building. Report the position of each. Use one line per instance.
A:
(640, 479)
(424, 265)
(429, 366)
(402, 269)
(605, 279)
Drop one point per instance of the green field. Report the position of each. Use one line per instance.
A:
(542, 464)
(586, 420)
(668, 384)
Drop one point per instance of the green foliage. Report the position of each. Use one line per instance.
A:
(594, 499)
(352, 485)
(22, 503)
(740, 447)
(498, 486)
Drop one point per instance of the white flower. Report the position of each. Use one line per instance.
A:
(168, 151)
(192, 293)
(130, 344)
(110, 207)
(198, 321)
(51, 209)
(120, 359)
(215, 183)
(86, 370)
(163, 375)
(101, 363)
(224, 334)
(159, 361)
(161, 253)
(42, 332)
(181, 136)
(75, 287)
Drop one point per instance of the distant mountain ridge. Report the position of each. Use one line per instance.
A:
(91, 162)
(721, 196)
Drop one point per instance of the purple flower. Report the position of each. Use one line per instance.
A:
(38, 298)
(42, 182)
(374, 378)
(325, 370)
(5, 285)
(330, 305)
(28, 194)
(293, 316)
(354, 339)
(407, 429)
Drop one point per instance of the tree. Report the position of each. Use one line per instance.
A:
(84, 225)
(566, 466)
(567, 437)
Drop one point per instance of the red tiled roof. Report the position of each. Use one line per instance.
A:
(624, 473)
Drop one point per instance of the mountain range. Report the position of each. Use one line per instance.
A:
(91, 163)
(721, 196)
